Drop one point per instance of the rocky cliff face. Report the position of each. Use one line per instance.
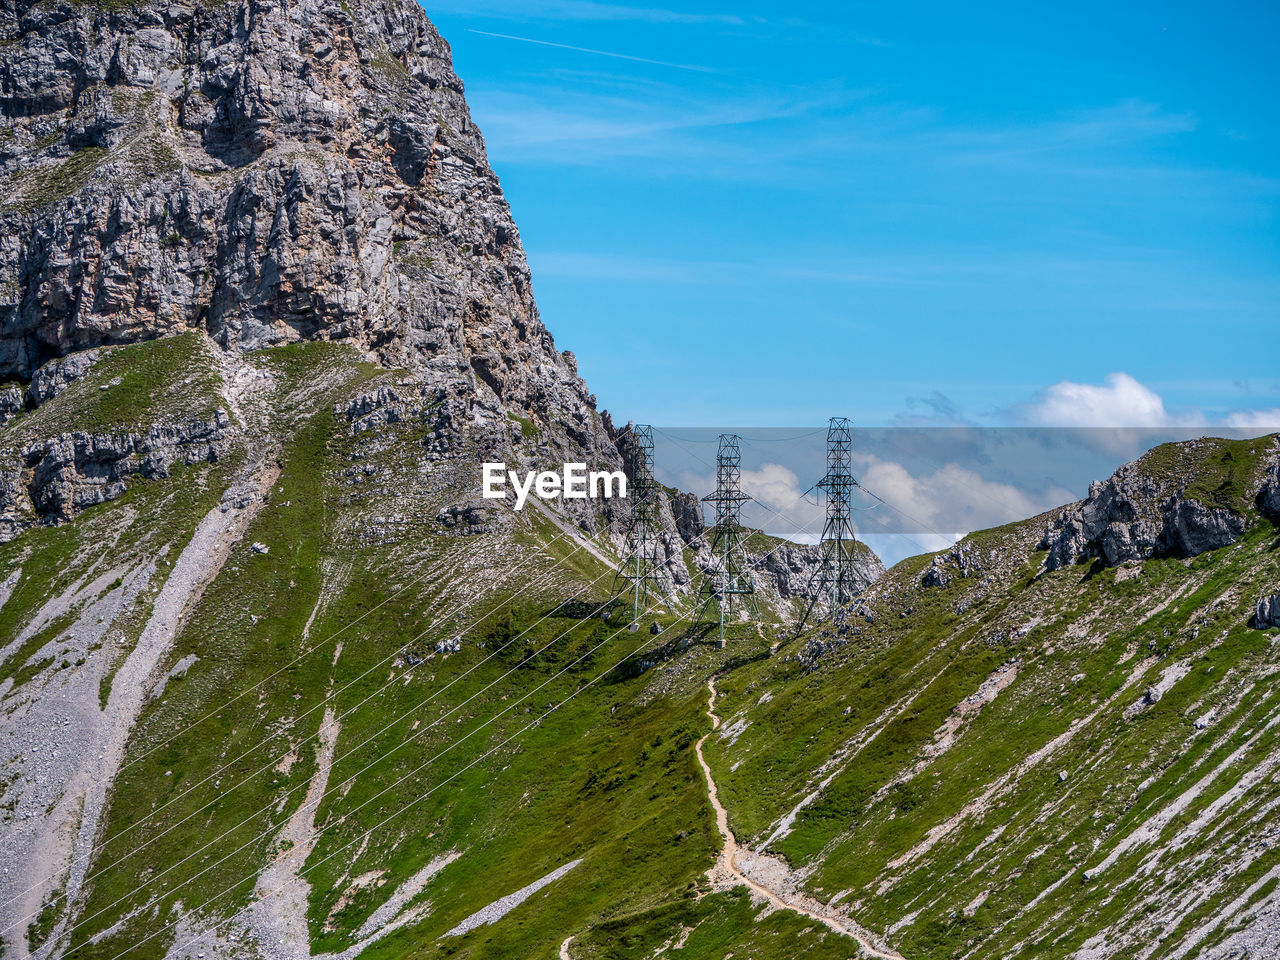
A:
(55, 479)
(1269, 495)
(265, 172)
(185, 184)
(791, 569)
(1267, 613)
(1150, 508)
(261, 173)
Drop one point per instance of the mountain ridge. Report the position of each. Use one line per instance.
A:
(277, 684)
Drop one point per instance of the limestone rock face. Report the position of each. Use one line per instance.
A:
(265, 171)
(686, 510)
(1267, 613)
(1269, 495)
(1139, 513)
(791, 568)
(52, 480)
(56, 375)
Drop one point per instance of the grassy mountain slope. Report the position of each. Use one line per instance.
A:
(350, 665)
(370, 725)
(1026, 763)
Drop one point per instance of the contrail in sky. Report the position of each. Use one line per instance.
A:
(600, 53)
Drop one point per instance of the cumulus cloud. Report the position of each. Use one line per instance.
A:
(1260, 420)
(773, 484)
(951, 500)
(921, 512)
(1122, 401)
(778, 503)
(1119, 402)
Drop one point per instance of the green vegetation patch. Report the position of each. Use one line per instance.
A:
(42, 186)
(528, 429)
(1217, 472)
(167, 380)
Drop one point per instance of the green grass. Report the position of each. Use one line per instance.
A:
(1216, 472)
(901, 680)
(167, 380)
(306, 523)
(528, 430)
(45, 185)
(39, 930)
(712, 928)
(610, 777)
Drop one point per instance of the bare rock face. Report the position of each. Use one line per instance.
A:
(791, 568)
(686, 510)
(1269, 495)
(52, 480)
(1267, 613)
(1136, 515)
(56, 375)
(263, 172)
(12, 402)
(266, 171)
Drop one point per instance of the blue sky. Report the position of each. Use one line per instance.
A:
(1002, 213)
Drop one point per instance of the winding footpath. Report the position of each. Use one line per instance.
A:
(765, 882)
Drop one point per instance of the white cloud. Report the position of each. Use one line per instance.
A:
(544, 127)
(1261, 420)
(773, 484)
(778, 504)
(952, 499)
(1121, 402)
(929, 511)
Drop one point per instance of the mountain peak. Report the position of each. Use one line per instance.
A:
(265, 172)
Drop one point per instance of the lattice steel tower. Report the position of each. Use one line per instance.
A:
(643, 565)
(732, 578)
(836, 579)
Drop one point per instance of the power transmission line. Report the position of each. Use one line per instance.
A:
(643, 566)
(836, 576)
(730, 577)
(408, 805)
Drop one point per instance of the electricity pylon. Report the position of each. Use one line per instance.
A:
(836, 577)
(732, 578)
(643, 564)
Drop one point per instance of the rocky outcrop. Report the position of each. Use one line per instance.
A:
(1267, 613)
(373, 409)
(49, 381)
(791, 569)
(56, 375)
(935, 574)
(1269, 495)
(1134, 516)
(12, 402)
(50, 481)
(961, 560)
(465, 519)
(686, 509)
(842, 627)
(266, 172)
